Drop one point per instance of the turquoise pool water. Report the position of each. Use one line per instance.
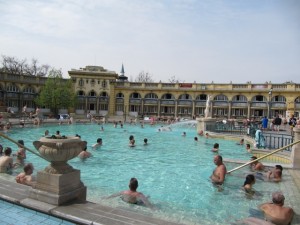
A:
(173, 170)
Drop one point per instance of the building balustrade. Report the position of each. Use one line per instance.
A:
(278, 104)
(12, 94)
(259, 104)
(239, 104)
(220, 103)
(119, 100)
(185, 102)
(200, 103)
(150, 101)
(167, 102)
(92, 99)
(135, 101)
(136, 84)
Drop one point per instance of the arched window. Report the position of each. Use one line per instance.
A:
(104, 94)
(80, 93)
(135, 95)
(201, 97)
(279, 98)
(151, 96)
(167, 96)
(119, 95)
(259, 98)
(185, 97)
(12, 88)
(221, 98)
(239, 98)
(29, 90)
(92, 94)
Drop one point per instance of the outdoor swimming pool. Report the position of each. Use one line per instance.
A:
(173, 170)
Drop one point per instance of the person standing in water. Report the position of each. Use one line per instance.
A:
(218, 175)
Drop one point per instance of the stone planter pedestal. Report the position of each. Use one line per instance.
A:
(59, 183)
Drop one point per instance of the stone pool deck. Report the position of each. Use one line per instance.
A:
(76, 212)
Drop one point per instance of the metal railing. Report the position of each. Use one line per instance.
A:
(272, 140)
(232, 128)
(275, 141)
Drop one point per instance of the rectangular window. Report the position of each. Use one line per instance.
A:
(120, 108)
(104, 107)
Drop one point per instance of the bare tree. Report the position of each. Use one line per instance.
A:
(16, 66)
(144, 77)
(173, 79)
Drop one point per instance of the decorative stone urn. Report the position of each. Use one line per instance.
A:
(59, 182)
(58, 151)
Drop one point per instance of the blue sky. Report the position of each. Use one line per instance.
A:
(193, 40)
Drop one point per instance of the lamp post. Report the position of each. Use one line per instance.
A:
(270, 97)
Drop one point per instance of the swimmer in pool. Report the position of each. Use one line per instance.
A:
(216, 147)
(131, 141)
(219, 173)
(132, 196)
(249, 182)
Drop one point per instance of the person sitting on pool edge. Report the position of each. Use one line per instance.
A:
(132, 196)
(218, 175)
(275, 212)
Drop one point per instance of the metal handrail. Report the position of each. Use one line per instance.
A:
(12, 140)
(262, 157)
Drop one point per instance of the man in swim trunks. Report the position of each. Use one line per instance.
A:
(275, 212)
(132, 196)
(256, 166)
(219, 173)
(25, 177)
(6, 161)
(275, 174)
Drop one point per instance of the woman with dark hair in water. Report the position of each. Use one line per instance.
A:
(249, 182)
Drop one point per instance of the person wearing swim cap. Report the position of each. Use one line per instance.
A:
(275, 212)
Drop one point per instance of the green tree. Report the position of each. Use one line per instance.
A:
(58, 93)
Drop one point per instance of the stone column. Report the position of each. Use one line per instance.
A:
(229, 109)
(176, 108)
(249, 110)
(158, 107)
(295, 155)
(193, 108)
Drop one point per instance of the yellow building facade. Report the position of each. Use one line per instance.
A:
(106, 93)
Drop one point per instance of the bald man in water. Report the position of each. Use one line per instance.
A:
(219, 173)
(275, 212)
